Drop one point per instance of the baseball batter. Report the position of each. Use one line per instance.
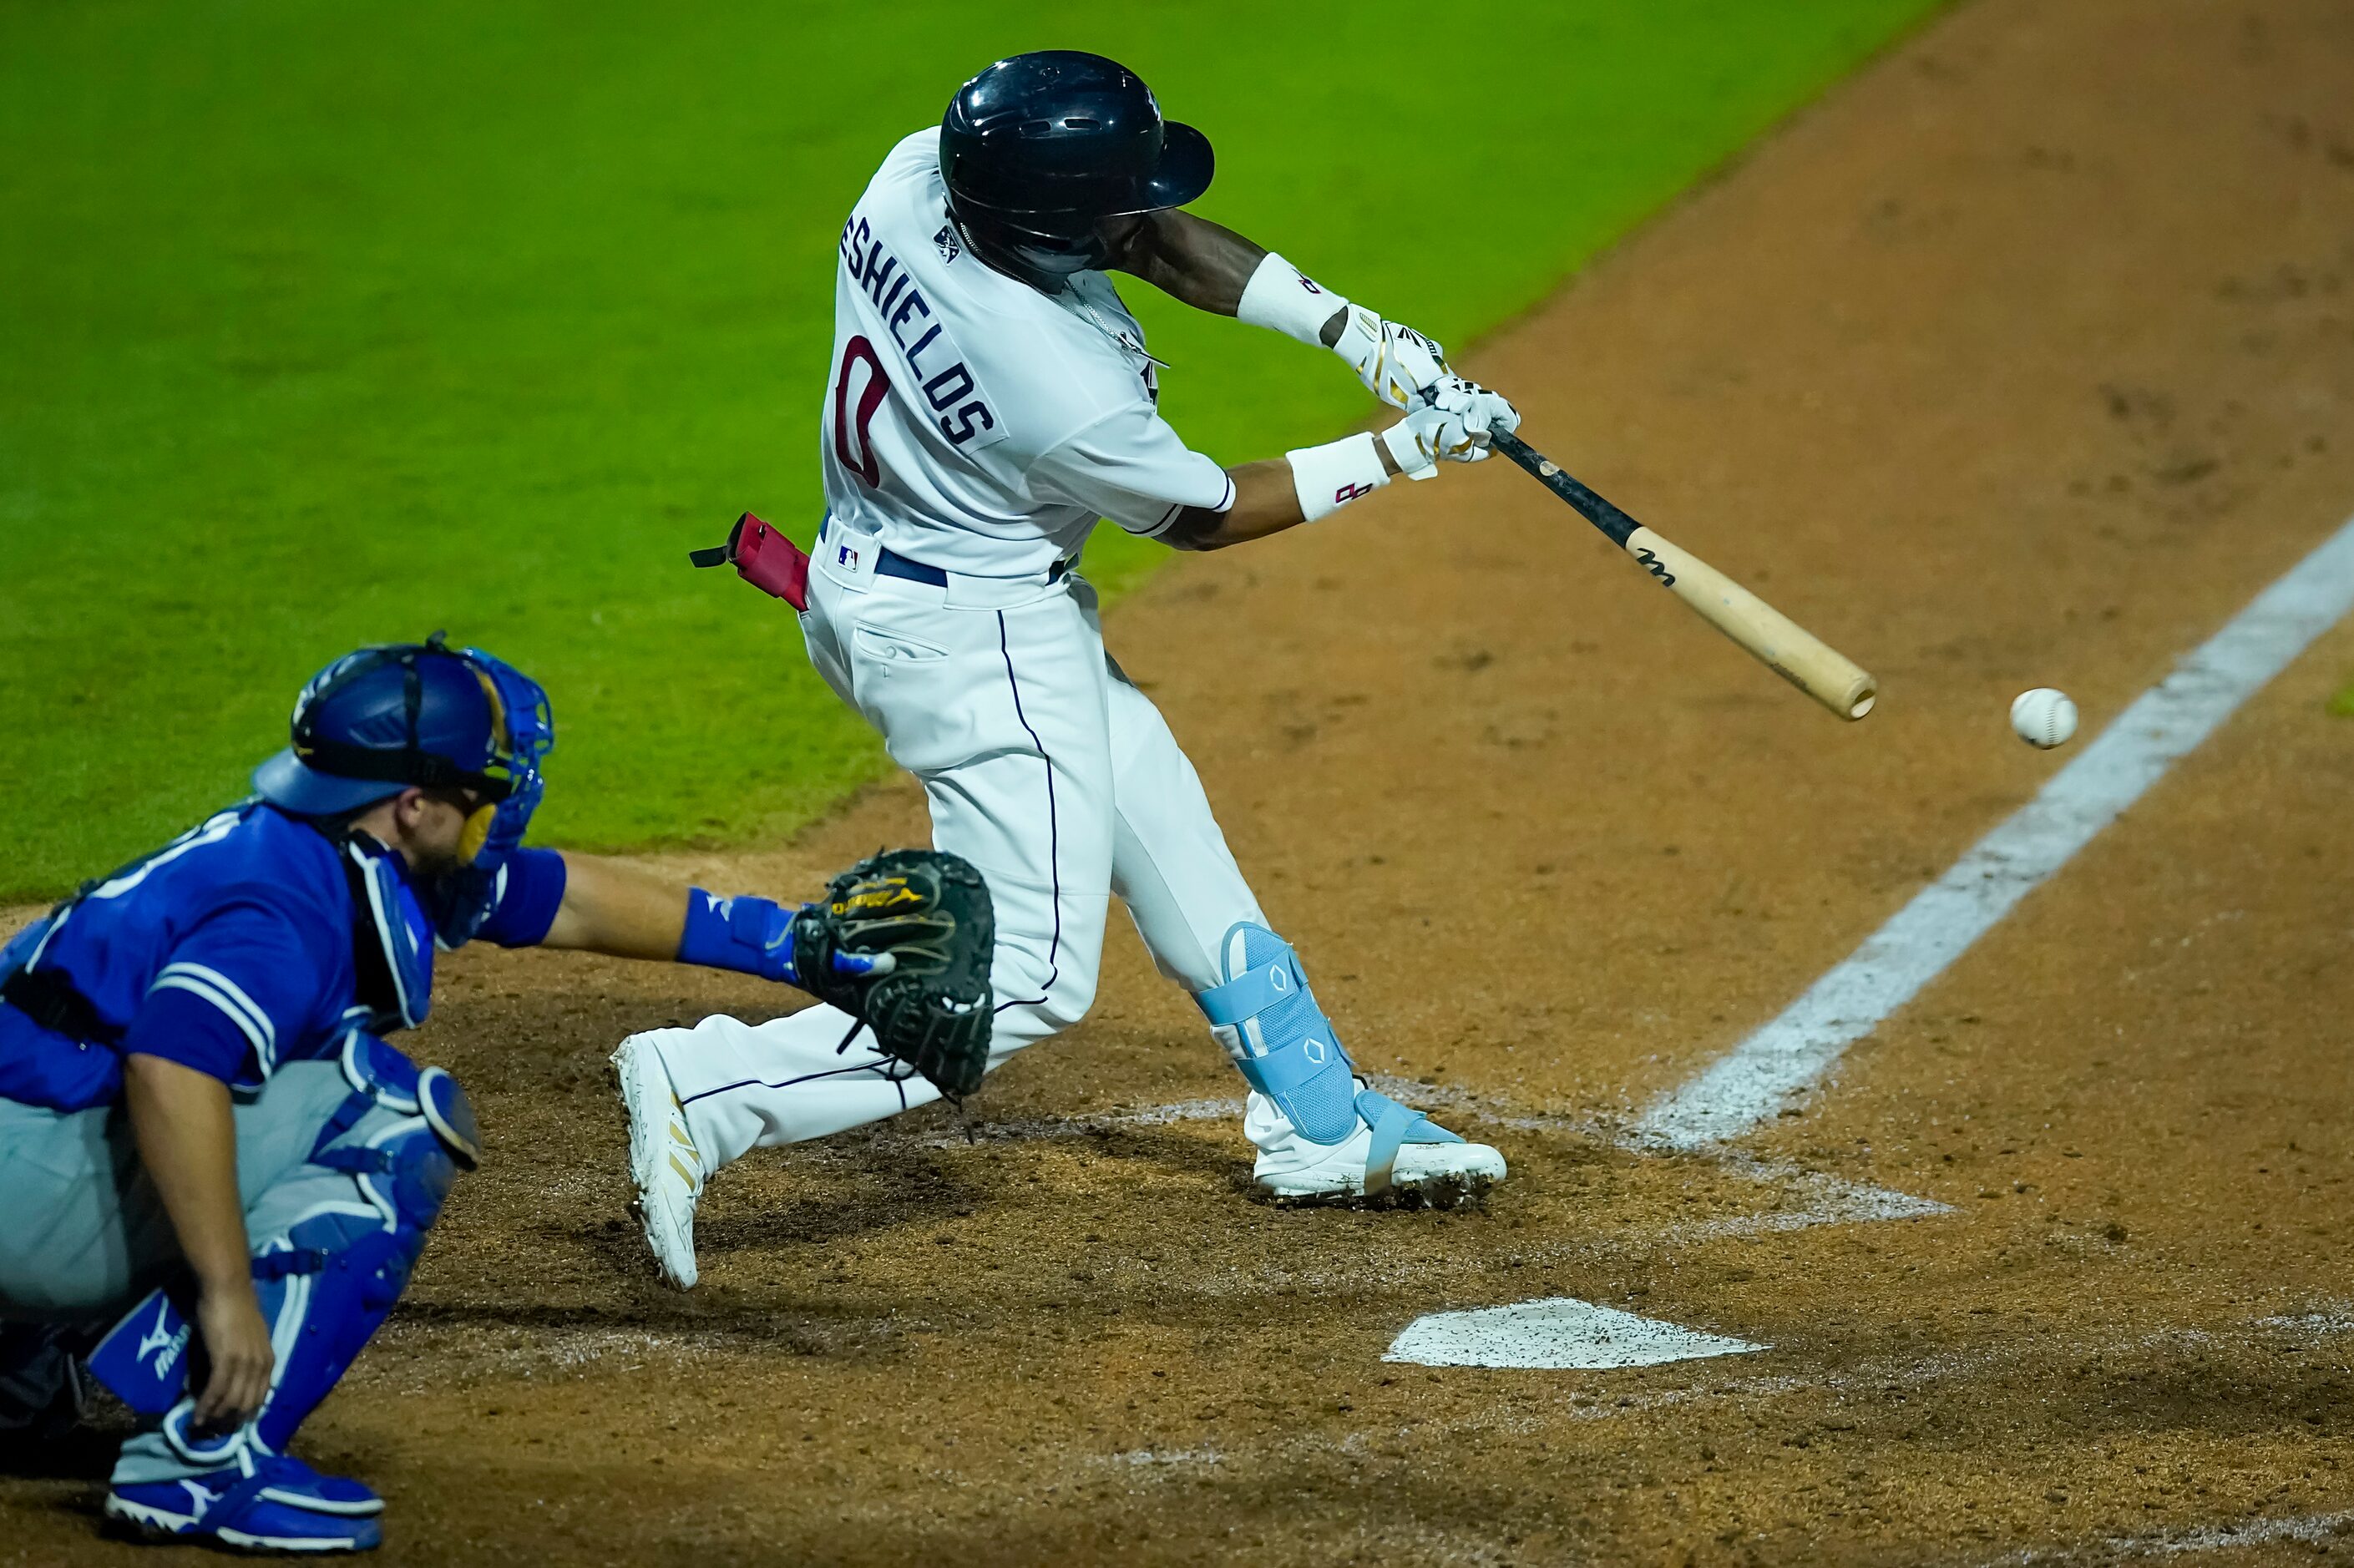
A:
(989, 400)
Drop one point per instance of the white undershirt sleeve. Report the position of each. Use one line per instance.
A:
(1131, 467)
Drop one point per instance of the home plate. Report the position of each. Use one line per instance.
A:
(1557, 1331)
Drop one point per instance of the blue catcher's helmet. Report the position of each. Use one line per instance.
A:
(1039, 148)
(383, 719)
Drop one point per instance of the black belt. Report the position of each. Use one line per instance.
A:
(892, 564)
(53, 1002)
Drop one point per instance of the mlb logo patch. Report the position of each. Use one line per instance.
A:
(944, 242)
(845, 557)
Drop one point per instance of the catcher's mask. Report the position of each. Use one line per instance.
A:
(421, 715)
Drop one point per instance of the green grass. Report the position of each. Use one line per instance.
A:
(332, 324)
(2342, 705)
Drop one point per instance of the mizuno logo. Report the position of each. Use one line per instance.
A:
(879, 897)
(164, 1341)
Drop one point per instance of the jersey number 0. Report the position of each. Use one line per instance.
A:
(859, 461)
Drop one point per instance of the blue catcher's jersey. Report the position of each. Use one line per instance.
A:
(231, 949)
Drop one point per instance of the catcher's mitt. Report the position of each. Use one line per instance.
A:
(930, 912)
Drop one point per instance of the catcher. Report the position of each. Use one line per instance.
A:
(205, 1138)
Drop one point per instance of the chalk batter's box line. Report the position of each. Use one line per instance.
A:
(1789, 1056)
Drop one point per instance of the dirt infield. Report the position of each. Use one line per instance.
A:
(2026, 359)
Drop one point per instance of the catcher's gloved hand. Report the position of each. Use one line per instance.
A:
(929, 912)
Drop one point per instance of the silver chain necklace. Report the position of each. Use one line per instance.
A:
(1128, 342)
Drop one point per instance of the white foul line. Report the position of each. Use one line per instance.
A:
(2320, 1530)
(1750, 1083)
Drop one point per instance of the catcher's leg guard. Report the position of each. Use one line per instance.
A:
(335, 1243)
(1270, 1023)
(324, 1287)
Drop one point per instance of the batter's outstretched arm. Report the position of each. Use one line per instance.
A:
(1267, 501)
(1214, 268)
(1315, 481)
(1205, 264)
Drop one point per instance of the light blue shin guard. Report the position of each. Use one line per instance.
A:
(1278, 1036)
(1394, 1126)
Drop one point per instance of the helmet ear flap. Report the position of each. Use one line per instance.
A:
(1045, 261)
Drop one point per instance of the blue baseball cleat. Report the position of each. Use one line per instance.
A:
(283, 1506)
(297, 1485)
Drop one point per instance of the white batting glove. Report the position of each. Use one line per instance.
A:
(1453, 425)
(1486, 411)
(1396, 363)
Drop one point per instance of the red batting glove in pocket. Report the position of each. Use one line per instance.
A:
(763, 557)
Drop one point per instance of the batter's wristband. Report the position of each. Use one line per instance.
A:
(1328, 477)
(1284, 299)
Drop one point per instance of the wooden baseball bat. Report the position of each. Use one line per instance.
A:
(1784, 647)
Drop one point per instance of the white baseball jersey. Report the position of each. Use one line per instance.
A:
(980, 427)
(974, 423)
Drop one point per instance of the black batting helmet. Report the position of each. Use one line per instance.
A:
(1039, 148)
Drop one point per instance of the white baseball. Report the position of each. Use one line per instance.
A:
(2043, 718)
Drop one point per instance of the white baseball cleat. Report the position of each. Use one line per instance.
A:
(664, 1160)
(1394, 1152)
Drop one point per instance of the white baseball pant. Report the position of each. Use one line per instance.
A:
(1045, 768)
